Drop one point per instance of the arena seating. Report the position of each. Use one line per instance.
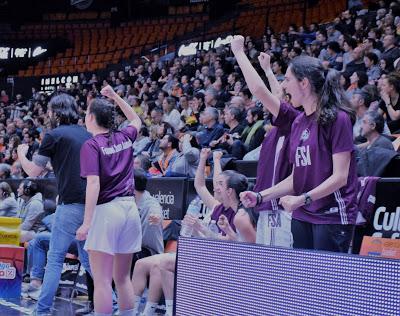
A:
(95, 44)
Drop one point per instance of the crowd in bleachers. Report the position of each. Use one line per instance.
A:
(200, 101)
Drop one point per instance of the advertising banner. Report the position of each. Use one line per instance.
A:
(11, 270)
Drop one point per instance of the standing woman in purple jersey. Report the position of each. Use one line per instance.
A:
(321, 191)
(274, 224)
(111, 225)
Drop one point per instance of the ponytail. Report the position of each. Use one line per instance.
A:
(104, 112)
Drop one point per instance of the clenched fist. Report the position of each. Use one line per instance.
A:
(237, 44)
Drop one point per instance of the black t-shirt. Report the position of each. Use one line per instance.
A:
(394, 126)
(63, 145)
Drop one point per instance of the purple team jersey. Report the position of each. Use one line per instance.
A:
(273, 165)
(112, 162)
(311, 150)
(228, 212)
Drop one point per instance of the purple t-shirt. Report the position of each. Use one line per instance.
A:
(112, 162)
(273, 165)
(228, 212)
(311, 149)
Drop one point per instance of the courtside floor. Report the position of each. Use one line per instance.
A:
(26, 306)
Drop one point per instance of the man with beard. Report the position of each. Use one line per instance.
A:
(61, 146)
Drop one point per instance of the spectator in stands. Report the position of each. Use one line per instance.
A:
(369, 46)
(374, 155)
(357, 63)
(152, 241)
(186, 162)
(8, 203)
(185, 85)
(360, 102)
(171, 114)
(334, 58)
(232, 116)
(152, 149)
(186, 111)
(253, 134)
(30, 208)
(4, 97)
(197, 106)
(142, 162)
(30, 140)
(237, 102)
(5, 171)
(357, 80)
(15, 139)
(175, 163)
(211, 99)
(213, 130)
(332, 33)
(16, 170)
(391, 52)
(349, 44)
(60, 145)
(251, 50)
(326, 113)
(151, 216)
(142, 140)
(371, 64)
(156, 116)
(246, 95)
(198, 86)
(359, 29)
(372, 129)
(3, 143)
(169, 145)
(390, 103)
(279, 67)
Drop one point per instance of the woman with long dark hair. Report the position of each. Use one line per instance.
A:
(111, 225)
(321, 190)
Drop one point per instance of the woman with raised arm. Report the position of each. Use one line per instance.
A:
(234, 223)
(225, 201)
(111, 225)
(274, 225)
(321, 190)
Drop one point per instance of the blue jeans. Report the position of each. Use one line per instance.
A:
(68, 218)
(37, 254)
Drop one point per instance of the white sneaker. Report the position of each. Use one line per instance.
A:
(34, 293)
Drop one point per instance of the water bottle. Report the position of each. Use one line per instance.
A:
(194, 210)
(214, 230)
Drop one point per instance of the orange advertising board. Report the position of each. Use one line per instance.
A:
(380, 247)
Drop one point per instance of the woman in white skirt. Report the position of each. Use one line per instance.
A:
(111, 224)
